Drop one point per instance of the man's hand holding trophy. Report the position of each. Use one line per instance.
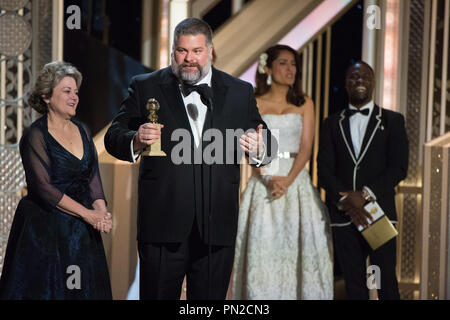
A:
(148, 136)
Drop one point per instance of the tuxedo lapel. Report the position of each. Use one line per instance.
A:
(344, 124)
(372, 126)
(219, 93)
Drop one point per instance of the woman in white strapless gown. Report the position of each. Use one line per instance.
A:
(283, 246)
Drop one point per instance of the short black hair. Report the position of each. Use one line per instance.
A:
(359, 62)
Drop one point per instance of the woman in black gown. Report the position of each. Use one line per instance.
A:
(55, 249)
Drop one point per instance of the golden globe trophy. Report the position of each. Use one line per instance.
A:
(155, 149)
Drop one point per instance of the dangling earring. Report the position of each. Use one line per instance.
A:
(269, 80)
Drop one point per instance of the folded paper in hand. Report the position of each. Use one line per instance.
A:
(380, 230)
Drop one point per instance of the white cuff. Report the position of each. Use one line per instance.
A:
(133, 155)
(259, 158)
(372, 195)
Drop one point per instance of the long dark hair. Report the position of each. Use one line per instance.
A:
(295, 94)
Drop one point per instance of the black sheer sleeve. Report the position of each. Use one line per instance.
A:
(37, 165)
(95, 182)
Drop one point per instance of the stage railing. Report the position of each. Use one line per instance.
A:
(12, 182)
(435, 262)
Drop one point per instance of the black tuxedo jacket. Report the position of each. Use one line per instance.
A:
(171, 195)
(381, 165)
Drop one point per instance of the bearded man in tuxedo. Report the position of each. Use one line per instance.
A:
(187, 211)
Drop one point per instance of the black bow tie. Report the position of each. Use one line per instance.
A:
(188, 89)
(350, 112)
(203, 90)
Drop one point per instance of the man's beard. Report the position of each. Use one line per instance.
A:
(190, 77)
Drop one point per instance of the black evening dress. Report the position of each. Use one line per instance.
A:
(51, 254)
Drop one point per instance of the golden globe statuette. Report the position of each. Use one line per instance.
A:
(155, 149)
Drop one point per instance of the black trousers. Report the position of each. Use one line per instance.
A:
(352, 251)
(163, 267)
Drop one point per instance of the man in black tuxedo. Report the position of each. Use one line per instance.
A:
(363, 155)
(187, 210)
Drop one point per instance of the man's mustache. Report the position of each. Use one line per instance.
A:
(183, 65)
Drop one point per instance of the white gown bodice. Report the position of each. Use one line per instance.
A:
(287, 128)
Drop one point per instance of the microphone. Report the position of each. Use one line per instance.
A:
(192, 111)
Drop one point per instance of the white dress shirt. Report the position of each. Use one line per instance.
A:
(358, 126)
(194, 98)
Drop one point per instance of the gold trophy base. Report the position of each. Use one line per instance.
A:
(154, 153)
(154, 150)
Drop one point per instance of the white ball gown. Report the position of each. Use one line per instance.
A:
(283, 246)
